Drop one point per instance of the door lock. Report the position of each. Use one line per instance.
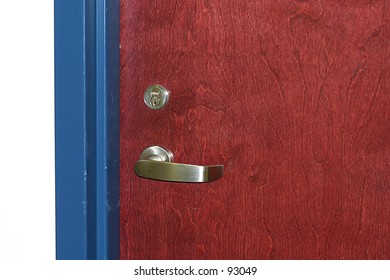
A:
(156, 97)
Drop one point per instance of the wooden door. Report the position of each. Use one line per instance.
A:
(292, 97)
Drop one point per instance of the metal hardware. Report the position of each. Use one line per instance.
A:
(157, 163)
(156, 97)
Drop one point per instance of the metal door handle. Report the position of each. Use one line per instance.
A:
(157, 163)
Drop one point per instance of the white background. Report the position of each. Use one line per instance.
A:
(27, 219)
(27, 130)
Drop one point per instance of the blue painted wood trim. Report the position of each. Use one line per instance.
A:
(107, 128)
(87, 128)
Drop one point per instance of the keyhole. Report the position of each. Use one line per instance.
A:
(155, 99)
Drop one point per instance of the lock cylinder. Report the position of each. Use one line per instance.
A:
(156, 97)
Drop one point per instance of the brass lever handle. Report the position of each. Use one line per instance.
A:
(157, 163)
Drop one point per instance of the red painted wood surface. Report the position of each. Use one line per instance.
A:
(291, 96)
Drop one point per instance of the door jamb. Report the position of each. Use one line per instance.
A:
(87, 128)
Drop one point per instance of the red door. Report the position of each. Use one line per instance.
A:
(292, 97)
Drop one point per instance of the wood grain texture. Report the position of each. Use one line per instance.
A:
(291, 96)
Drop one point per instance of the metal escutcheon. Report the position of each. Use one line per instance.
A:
(156, 97)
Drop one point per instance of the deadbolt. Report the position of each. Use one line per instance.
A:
(156, 97)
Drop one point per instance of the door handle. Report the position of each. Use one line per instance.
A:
(157, 163)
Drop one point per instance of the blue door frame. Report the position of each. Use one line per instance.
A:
(87, 128)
